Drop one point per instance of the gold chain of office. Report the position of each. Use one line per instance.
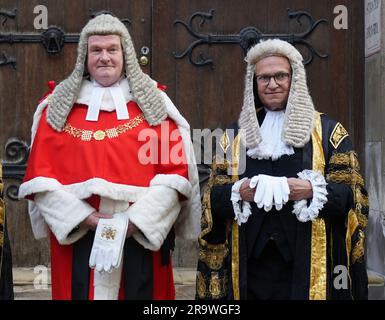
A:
(99, 135)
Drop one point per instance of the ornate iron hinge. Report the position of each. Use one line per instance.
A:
(246, 37)
(53, 39)
(14, 165)
(7, 60)
(7, 14)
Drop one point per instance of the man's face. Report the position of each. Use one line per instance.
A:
(105, 59)
(273, 75)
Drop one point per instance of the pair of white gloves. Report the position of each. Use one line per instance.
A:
(110, 235)
(270, 191)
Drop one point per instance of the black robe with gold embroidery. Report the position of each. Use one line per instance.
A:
(320, 250)
(6, 287)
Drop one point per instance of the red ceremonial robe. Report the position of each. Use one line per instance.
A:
(65, 157)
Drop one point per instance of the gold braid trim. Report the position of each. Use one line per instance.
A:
(353, 178)
(352, 225)
(362, 219)
(357, 252)
(348, 159)
(360, 206)
(359, 197)
(111, 133)
(348, 176)
(206, 219)
(235, 229)
(318, 263)
(359, 248)
(2, 220)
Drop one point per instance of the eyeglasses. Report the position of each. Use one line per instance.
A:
(279, 78)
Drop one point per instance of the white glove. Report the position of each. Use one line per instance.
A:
(281, 192)
(264, 193)
(110, 236)
(270, 191)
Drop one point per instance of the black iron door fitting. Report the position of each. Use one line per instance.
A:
(53, 38)
(246, 37)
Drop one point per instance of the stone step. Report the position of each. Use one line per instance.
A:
(27, 276)
(35, 283)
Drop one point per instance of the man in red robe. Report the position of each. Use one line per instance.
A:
(111, 174)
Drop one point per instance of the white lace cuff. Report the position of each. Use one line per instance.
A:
(241, 214)
(306, 213)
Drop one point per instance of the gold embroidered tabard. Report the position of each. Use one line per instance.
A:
(213, 255)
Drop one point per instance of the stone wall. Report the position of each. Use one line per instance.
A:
(375, 154)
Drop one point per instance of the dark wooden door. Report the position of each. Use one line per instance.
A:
(211, 97)
(208, 96)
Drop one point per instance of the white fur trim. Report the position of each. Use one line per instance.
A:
(188, 225)
(84, 190)
(63, 212)
(306, 213)
(37, 116)
(174, 181)
(39, 227)
(154, 214)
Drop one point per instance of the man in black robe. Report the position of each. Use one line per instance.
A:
(286, 220)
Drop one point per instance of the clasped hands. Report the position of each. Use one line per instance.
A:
(111, 232)
(267, 191)
(91, 223)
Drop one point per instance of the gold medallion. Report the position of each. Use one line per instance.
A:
(99, 135)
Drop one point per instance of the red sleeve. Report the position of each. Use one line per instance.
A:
(40, 157)
(171, 150)
(161, 87)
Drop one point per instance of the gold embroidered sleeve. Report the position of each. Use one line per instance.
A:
(345, 168)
